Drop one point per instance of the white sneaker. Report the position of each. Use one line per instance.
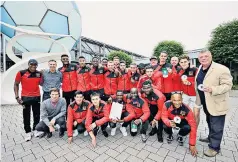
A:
(75, 133)
(37, 133)
(113, 131)
(85, 133)
(123, 131)
(28, 136)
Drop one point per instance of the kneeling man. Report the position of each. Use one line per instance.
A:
(177, 115)
(53, 111)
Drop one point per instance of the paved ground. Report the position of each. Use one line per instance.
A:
(118, 148)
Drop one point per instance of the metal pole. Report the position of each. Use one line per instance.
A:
(4, 52)
(80, 47)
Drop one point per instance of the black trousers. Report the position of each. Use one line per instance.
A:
(125, 124)
(103, 127)
(216, 129)
(143, 130)
(44, 128)
(69, 97)
(29, 104)
(80, 127)
(184, 128)
(153, 112)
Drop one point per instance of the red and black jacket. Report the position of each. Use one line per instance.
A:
(124, 81)
(110, 83)
(166, 83)
(156, 98)
(190, 73)
(155, 79)
(84, 78)
(97, 78)
(102, 114)
(76, 113)
(69, 77)
(176, 79)
(140, 109)
(135, 77)
(184, 112)
(30, 82)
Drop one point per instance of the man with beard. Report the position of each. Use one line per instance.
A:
(140, 115)
(84, 78)
(121, 99)
(97, 77)
(156, 100)
(30, 96)
(178, 115)
(69, 79)
(124, 78)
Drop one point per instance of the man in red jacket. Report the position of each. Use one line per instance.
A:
(167, 75)
(97, 77)
(84, 78)
(153, 76)
(140, 115)
(77, 115)
(121, 99)
(156, 100)
(134, 75)
(178, 115)
(124, 78)
(69, 78)
(187, 78)
(116, 61)
(110, 81)
(97, 115)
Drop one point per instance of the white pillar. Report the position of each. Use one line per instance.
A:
(4, 53)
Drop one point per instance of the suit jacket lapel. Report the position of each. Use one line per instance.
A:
(210, 70)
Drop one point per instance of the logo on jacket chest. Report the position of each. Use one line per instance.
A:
(182, 113)
(101, 71)
(190, 73)
(72, 68)
(38, 75)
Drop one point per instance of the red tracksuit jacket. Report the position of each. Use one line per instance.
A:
(69, 75)
(76, 113)
(166, 83)
(155, 79)
(184, 112)
(110, 83)
(97, 78)
(156, 98)
(176, 79)
(84, 78)
(124, 81)
(102, 113)
(190, 73)
(135, 77)
(140, 109)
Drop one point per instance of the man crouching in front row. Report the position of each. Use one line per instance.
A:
(97, 115)
(53, 111)
(177, 115)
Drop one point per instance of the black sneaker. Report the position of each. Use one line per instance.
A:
(170, 138)
(42, 135)
(160, 138)
(61, 134)
(153, 131)
(49, 135)
(180, 140)
(105, 133)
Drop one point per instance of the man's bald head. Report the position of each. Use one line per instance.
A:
(134, 93)
(134, 90)
(177, 100)
(174, 61)
(205, 58)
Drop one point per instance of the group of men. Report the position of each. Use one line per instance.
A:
(160, 95)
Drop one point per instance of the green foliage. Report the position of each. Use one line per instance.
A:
(122, 55)
(173, 48)
(224, 42)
